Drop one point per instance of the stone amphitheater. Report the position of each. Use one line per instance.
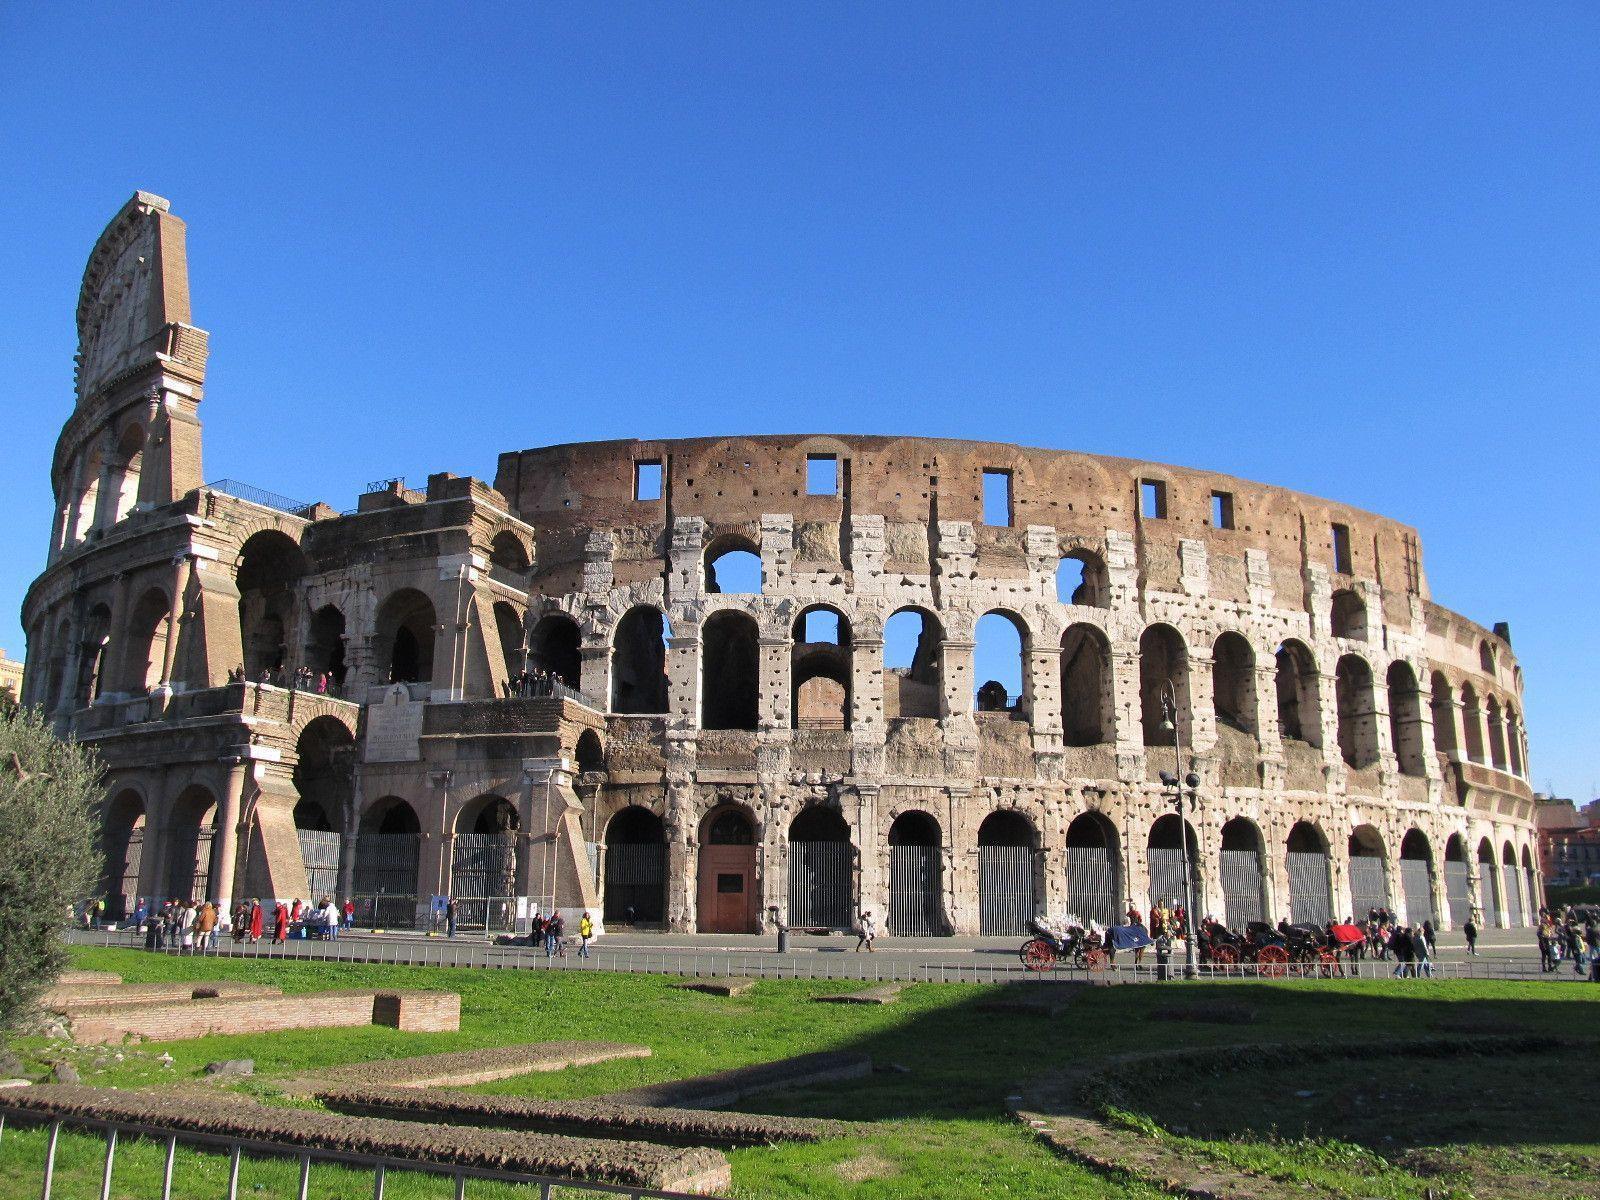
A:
(682, 683)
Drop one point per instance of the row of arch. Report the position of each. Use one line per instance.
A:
(102, 487)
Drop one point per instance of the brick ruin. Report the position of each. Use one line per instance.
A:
(755, 685)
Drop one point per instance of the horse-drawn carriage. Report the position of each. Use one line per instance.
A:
(1074, 944)
(1260, 946)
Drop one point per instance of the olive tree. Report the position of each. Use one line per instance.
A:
(49, 815)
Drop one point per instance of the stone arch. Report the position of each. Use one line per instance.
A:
(1405, 718)
(270, 568)
(1497, 733)
(1163, 660)
(821, 860)
(554, 647)
(1094, 876)
(1486, 657)
(92, 466)
(190, 835)
(1299, 694)
(728, 896)
(325, 754)
(1087, 697)
(1000, 660)
(1310, 876)
(1244, 875)
(1348, 615)
(589, 752)
(1511, 887)
(916, 886)
(732, 565)
(508, 628)
(1164, 855)
(1530, 876)
(406, 627)
(1233, 683)
(388, 855)
(1514, 741)
(1472, 724)
(1490, 882)
(122, 841)
(636, 868)
(730, 671)
(483, 870)
(94, 650)
(509, 553)
(821, 669)
(1358, 726)
(325, 646)
(1416, 877)
(124, 468)
(1444, 714)
(639, 661)
(913, 685)
(148, 625)
(1369, 871)
(1082, 579)
(1008, 845)
(1457, 880)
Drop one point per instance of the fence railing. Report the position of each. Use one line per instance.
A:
(13, 1114)
(256, 495)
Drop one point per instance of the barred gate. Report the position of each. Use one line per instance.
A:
(483, 879)
(819, 885)
(1092, 892)
(1458, 892)
(914, 891)
(319, 850)
(189, 872)
(385, 882)
(1005, 889)
(1243, 888)
(1416, 885)
(1512, 887)
(1369, 884)
(1533, 893)
(127, 887)
(1166, 876)
(1309, 886)
(636, 876)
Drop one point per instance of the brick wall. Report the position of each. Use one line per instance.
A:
(432, 1012)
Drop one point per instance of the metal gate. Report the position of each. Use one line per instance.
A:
(1369, 884)
(1309, 887)
(385, 882)
(1005, 890)
(914, 891)
(819, 885)
(483, 879)
(1242, 888)
(1458, 892)
(126, 896)
(1513, 892)
(319, 850)
(636, 874)
(1416, 885)
(189, 869)
(1166, 877)
(1533, 893)
(1092, 884)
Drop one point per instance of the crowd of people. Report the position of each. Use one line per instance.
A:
(532, 683)
(192, 926)
(1573, 935)
(303, 679)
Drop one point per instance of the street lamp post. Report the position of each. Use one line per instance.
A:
(1177, 782)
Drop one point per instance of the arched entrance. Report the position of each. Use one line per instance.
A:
(914, 876)
(1006, 844)
(1491, 897)
(1369, 872)
(1094, 884)
(483, 877)
(270, 568)
(1511, 887)
(1310, 883)
(1457, 881)
(323, 778)
(189, 837)
(820, 862)
(388, 850)
(1165, 851)
(727, 884)
(1244, 882)
(124, 854)
(1531, 878)
(1416, 878)
(636, 868)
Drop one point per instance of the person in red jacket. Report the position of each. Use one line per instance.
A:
(255, 920)
(280, 923)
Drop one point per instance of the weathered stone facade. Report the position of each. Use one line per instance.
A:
(705, 753)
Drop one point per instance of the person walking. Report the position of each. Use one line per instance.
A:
(349, 914)
(330, 919)
(1403, 947)
(452, 910)
(1470, 931)
(186, 920)
(865, 932)
(585, 934)
(1431, 937)
(1422, 952)
(257, 921)
(280, 922)
(205, 926)
(554, 945)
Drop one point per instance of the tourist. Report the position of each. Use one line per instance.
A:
(186, 917)
(1422, 951)
(1135, 917)
(554, 947)
(1547, 950)
(452, 911)
(865, 932)
(280, 922)
(140, 912)
(294, 912)
(205, 926)
(1470, 931)
(330, 919)
(349, 914)
(257, 921)
(1404, 947)
(152, 932)
(585, 935)
(1429, 936)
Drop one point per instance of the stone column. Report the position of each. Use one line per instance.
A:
(773, 683)
(871, 895)
(955, 675)
(1044, 690)
(230, 805)
(1266, 691)
(866, 686)
(174, 616)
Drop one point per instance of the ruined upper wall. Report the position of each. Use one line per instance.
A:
(915, 482)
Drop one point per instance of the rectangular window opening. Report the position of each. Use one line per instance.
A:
(997, 497)
(822, 475)
(1222, 510)
(1153, 499)
(647, 480)
(1341, 549)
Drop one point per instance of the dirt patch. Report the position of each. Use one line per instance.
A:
(864, 1167)
(464, 1068)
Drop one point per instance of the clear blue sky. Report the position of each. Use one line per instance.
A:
(1352, 256)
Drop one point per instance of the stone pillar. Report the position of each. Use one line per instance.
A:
(174, 616)
(595, 672)
(1196, 713)
(1044, 690)
(955, 674)
(773, 707)
(866, 687)
(230, 806)
(1266, 692)
(871, 894)
(683, 677)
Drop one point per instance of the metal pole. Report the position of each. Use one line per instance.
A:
(166, 1169)
(377, 1182)
(233, 1173)
(111, 1154)
(305, 1176)
(50, 1160)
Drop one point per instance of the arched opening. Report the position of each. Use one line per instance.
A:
(190, 834)
(999, 661)
(1405, 719)
(508, 559)
(1369, 871)
(1094, 880)
(388, 851)
(1472, 723)
(1233, 683)
(1163, 660)
(323, 777)
(1444, 714)
(1086, 694)
(1486, 658)
(92, 654)
(406, 625)
(589, 752)
(636, 868)
(123, 844)
(1007, 844)
(1081, 579)
(1491, 887)
(1310, 882)
(733, 567)
(325, 648)
(730, 671)
(553, 649)
(1457, 881)
(1497, 734)
(915, 886)
(1358, 726)
(1514, 741)
(911, 682)
(1299, 705)
(126, 465)
(1164, 856)
(147, 642)
(483, 877)
(1244, 876)
(1416, 877)
(1530, 877)
(727, 885)
(270, 569)
(1349, 616)
(821, 862)
(1511, 888)
(820, 669)
(513, 651)
(639, 662)
(88, 497)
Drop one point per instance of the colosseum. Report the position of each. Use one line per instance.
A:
(685, 682)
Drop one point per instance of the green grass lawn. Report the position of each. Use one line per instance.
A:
(936, 1106)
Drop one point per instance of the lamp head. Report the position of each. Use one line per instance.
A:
(1191, 780)
(1168, 779)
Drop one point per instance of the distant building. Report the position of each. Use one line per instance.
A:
(1569, 841)
(10, 676)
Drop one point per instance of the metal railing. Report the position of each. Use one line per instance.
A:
(238, 1147)
(255, 495)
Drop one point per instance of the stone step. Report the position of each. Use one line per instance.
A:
(463, 1068)
(719, 986)
(883, 993)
